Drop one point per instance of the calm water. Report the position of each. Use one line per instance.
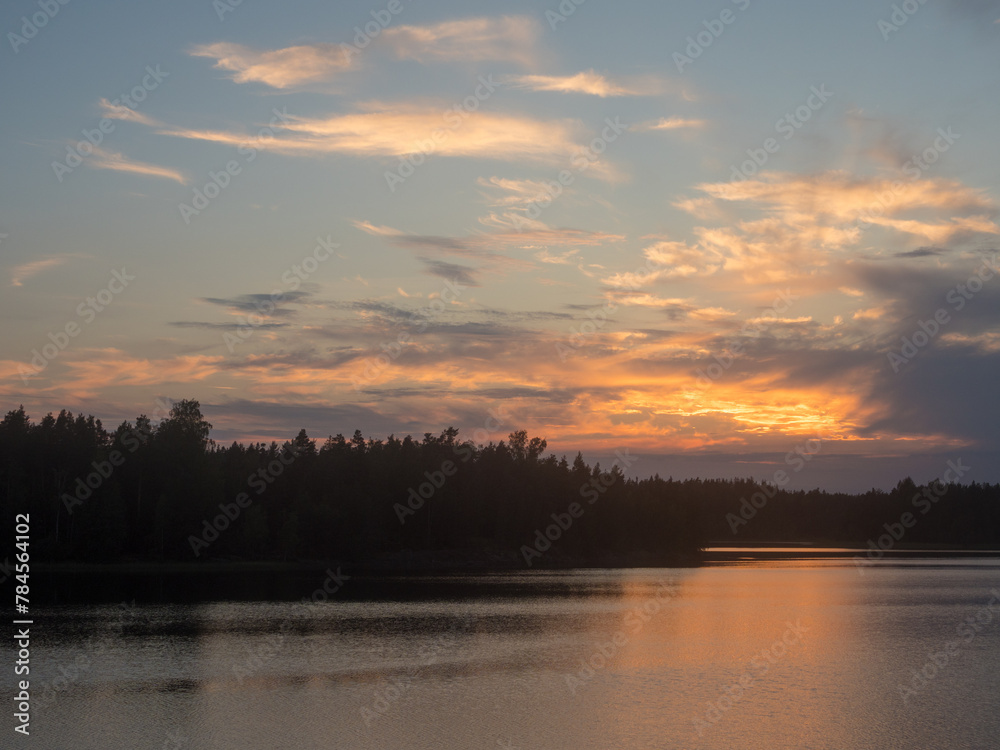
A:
(782, 654)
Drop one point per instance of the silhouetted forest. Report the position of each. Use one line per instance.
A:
(166, 491)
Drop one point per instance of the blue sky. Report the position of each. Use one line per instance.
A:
(676, 265)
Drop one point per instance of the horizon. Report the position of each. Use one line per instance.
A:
(826, 472)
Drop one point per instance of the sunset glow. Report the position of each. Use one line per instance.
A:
(397, 220)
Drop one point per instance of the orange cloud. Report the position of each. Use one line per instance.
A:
(845, 198)
(587, 82)
(278, 68)
(121, 112)
(396, 130)
(671, 123)
(20, 274)
(103, 159)
(91, 370)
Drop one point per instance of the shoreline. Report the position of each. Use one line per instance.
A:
(472, 564)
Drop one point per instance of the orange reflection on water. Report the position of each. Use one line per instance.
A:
(775, 631)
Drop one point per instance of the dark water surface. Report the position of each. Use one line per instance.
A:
(802, 653)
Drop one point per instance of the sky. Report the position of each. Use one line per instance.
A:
(726, 237)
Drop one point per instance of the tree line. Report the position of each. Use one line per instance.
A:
(167, 491)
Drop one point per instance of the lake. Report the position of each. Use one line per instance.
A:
(795, 653)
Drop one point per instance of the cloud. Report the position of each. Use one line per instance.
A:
(394, 130)
(923, 252)
(516, 193)
(451, 271)
(278, 68)
(940, 231)
(587, 82)
(701, 207)
(485, 242)
(377, 230)
(669, 260)
(507, 38)
(848, 198)
(565, 258)
(103, 159)
(92, 370)
(872, 313)
(260, 304)
(20, 274)
(121, 112)
(947, 392)
(219, 326)
(805, 222)
(512, 220)
(670, 123)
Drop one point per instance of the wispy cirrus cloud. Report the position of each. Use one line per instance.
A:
(121, 112)
(278, 68)
(515, 193)
(90, 371)
(484, 243)
(586, 82)
(399, 129)
(104, 159)
(670, 123)
(20, 274)
(507, 38)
